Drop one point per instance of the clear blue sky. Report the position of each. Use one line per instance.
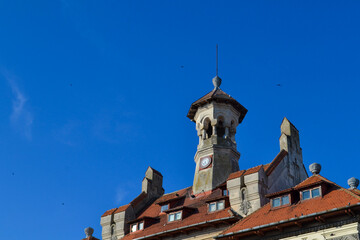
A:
(94, 92)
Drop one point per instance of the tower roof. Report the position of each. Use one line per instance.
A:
(219, 96)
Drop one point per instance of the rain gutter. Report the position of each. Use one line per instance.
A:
(188, 226)
(285, 221)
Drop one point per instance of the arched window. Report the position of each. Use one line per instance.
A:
(112, 232)
(220, 129)
(243, 195)
(208, 128)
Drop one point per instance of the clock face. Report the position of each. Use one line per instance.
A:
(205, 162)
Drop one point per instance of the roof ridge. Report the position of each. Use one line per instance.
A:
(175, 191)
(241, 220)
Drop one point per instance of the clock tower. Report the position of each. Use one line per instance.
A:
(216, 115)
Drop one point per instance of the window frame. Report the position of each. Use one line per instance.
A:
(216, 206)
(137, 224)
(281, 201)
(311, 193)
(174, 214)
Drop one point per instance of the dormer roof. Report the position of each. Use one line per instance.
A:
(335, 200)
(198, 215)
(217, 95)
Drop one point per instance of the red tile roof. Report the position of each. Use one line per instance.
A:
(313, 180)
(335, 197)
(134, 202)
(122, 208)
(244, 172)
(268, 168)
(199, 214)
(355, 191)
(111, 211)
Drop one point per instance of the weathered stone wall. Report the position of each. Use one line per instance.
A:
(222, 148)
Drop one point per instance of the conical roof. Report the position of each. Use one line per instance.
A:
(219, 96)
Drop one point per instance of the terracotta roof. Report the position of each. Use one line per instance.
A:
(313, 180)
(199, 215)
(122, 208)
(111, 211)
(134, 202)
(172, 196)
(355, 191)
(269, 168)
(217, 95)
(244, 172)
(335, 197)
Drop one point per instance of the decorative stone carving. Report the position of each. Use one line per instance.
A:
(245, 207)
(89, 232)
(216, 81)
(353, 182)
(315, 168)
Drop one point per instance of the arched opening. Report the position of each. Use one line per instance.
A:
(208, 128)
(243, 195)
(220, 129)
(112, 232)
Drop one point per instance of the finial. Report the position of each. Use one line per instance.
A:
(315, 168)
(217, 82)
(353, 183)
(89, 232)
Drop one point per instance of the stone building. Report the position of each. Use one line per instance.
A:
(314, 209)
(222, 192)
(275, 200)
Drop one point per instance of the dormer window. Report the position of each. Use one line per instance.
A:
(310, 193)
(137, 226)
(164, 207)
(280, 201)
(216, 206)
(174, 216)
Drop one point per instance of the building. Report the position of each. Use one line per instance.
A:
(221, 193)
(314, 209)
(276, 200)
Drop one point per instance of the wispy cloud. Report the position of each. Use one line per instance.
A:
(21, 118)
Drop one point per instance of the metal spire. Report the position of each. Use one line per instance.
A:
(217, 80)
(217, 60)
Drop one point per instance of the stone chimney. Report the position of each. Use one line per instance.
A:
(152, 183)
(115, 223)
(290, 142)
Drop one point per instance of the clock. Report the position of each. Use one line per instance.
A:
(205, 162)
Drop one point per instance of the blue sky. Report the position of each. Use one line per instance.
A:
(94, 92)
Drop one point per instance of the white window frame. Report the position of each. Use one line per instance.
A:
(281, 201)
(311, 193)
(137, 226)
(174, 214)
(216, 206)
